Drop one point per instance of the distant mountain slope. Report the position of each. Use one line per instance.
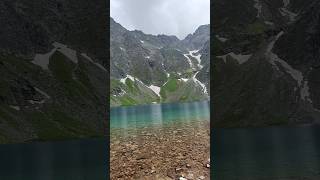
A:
(53, 65)
(266, 54)
(161, 68)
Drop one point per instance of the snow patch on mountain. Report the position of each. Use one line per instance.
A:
(285, 12)
(304, 92)
(295, 74)
(121, 93)
(286, 3)
(241, 58)
(222, 39)
(40, 101)
(37, 101)
(258, 6)
(42, 92)
(189, 60)
(194, 79)
(15, 107)
(123, 80)
(42, 60)
(183, 79)
(197, 57)
(269, 23)
(155, 89)
(271, 44)
(70, 53)
(95, 63)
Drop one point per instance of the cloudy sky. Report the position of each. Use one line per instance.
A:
(171, 17)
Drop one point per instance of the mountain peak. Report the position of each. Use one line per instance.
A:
(198, 38)
(154, 60)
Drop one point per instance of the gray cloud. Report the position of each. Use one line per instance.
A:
(171, 17)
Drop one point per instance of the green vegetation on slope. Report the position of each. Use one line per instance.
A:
(63, 69)
(170, 86)
(27, 114)
(258, 27)
(131, 93)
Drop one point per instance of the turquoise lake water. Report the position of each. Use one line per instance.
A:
(266, 153)
(158, 114)
(67, 160)
(87, 159)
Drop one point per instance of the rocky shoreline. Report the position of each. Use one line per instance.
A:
(172, 151)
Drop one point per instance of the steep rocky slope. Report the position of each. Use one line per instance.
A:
(53, 63)
(265, 62)
(158, 68)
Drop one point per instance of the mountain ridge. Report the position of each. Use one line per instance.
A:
(164, 58)
(263, 67)
(53, 63)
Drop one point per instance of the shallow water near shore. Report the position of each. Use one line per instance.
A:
(160, 141)
(158, 114)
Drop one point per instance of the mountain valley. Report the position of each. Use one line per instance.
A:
(148, 69)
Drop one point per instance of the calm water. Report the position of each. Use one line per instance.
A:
(266, 153)
(68, 160)
(158, 114)
(149, 140)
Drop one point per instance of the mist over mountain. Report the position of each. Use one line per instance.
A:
(148, 68)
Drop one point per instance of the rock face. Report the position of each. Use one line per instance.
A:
(151, 69)
(198, 38)
(53, 64)
(265, 64)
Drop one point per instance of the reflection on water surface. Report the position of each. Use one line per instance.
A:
(158, 114)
